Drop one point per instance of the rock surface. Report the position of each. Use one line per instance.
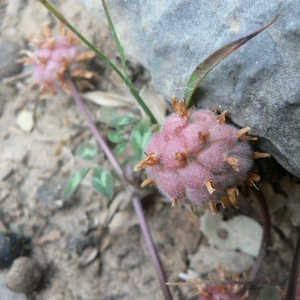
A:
(259, 83)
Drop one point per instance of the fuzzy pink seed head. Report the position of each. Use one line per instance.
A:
(197, 158)
(216, 290)
(52, 58)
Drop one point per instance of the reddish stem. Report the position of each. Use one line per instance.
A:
(264, 209)
(135, 198)
(292, 289)
(265, 216)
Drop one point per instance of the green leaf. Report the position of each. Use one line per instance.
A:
(87, 152)
(140, 137)
(74, 181)
(133, 160)
(115, 136)
(102, 181)
(215, 58)
(124, 120)
(107, 114)
(120, 147)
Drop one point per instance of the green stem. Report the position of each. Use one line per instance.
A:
(127, 81)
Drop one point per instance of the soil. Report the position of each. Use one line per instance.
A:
(80, 260)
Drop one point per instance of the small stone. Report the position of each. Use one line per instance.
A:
(9, 55)
(48, 193)
(11, 247)
(7, 294)
(24, 275)
(25, 120)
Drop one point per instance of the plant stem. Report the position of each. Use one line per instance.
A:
(292, 291)
(126, 80)
(135, 198)
(265, 215)
(151, 248)
(260, 200)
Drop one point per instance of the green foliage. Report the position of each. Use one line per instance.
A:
(102, 181)
(123, 124)
(124, 120)
(74, 181)
(87, 152)
(107, 114)
(115, 136)
(116, 39)
(119, 148)
(132, 160)
(140, 137)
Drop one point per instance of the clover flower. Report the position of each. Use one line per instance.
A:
(197, 158)
(55, 57)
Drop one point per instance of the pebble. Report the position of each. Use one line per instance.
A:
(24, 276)
(7, 294)
(11, 247)
(10, 52)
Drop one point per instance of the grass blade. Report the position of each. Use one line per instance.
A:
(116, 39)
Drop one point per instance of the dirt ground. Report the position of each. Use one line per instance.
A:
(78, 260)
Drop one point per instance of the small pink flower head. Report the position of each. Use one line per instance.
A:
(216, 291)
(53, 58)
(197, 158)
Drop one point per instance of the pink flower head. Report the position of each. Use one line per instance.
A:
(197, 158)
(54, 58)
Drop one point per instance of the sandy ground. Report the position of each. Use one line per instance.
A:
(78, 260)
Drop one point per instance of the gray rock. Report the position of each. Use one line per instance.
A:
(9, 53)
(259, 83)
(11, 247)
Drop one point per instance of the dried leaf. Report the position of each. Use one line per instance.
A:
(88, 256)
(156, 102)
(122, 221)
(107, 99)
(241, 233)
(120, 200)
(50, 237)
